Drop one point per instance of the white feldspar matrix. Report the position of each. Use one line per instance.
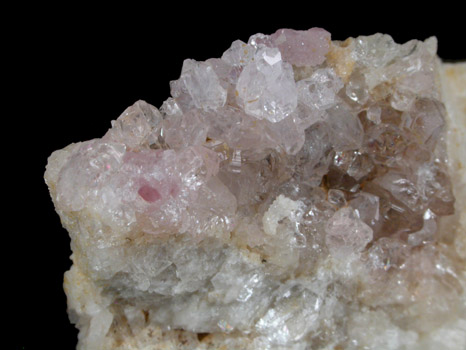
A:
(293, 194)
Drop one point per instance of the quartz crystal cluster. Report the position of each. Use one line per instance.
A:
(288, 195)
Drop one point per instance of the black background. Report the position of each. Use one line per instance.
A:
(76, 69)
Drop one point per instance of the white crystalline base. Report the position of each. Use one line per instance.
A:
(369, 328)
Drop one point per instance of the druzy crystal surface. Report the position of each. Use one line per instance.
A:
(288, 195)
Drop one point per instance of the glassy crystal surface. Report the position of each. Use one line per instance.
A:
(288, 195)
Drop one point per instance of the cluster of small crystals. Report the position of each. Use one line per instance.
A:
(292, 148)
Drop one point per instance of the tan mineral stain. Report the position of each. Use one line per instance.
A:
(340, 59)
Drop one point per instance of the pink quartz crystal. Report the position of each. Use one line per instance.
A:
(302, 47)
(149, 193)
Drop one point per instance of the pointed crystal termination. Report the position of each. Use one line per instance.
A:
(266, 86)
(302, 47)
(293, 194)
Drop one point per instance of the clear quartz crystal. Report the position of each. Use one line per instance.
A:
(367, 207)
(336, 197)
(288, 195)
(320, 89)
(199, 86)
(239, 54)
(345, 127)
(266, 86)
(346, 233)
(373, 114)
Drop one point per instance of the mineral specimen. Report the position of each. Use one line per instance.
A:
(295, 193)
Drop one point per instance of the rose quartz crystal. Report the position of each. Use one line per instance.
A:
(302, 47)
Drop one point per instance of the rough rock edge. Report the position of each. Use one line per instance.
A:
(453, 82)
(86, 299)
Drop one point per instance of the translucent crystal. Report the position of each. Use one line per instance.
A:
(401, 187)
(375, 50)
(260, 40)
(320, 89)
(367, 207)
(314, 158)
(138, 125)
(198, 87)
(294, 314)
(357, 89)
(336, 197)
(188, 129)
(266, 86)
(345, 127)
(354, 163)
(385, 143)
(388, 253)
(373, 114)
(347, 234)
(427, 232)
(427, 120)
(90, 165)
(239, 54)
(302, 47)
(170, 107)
